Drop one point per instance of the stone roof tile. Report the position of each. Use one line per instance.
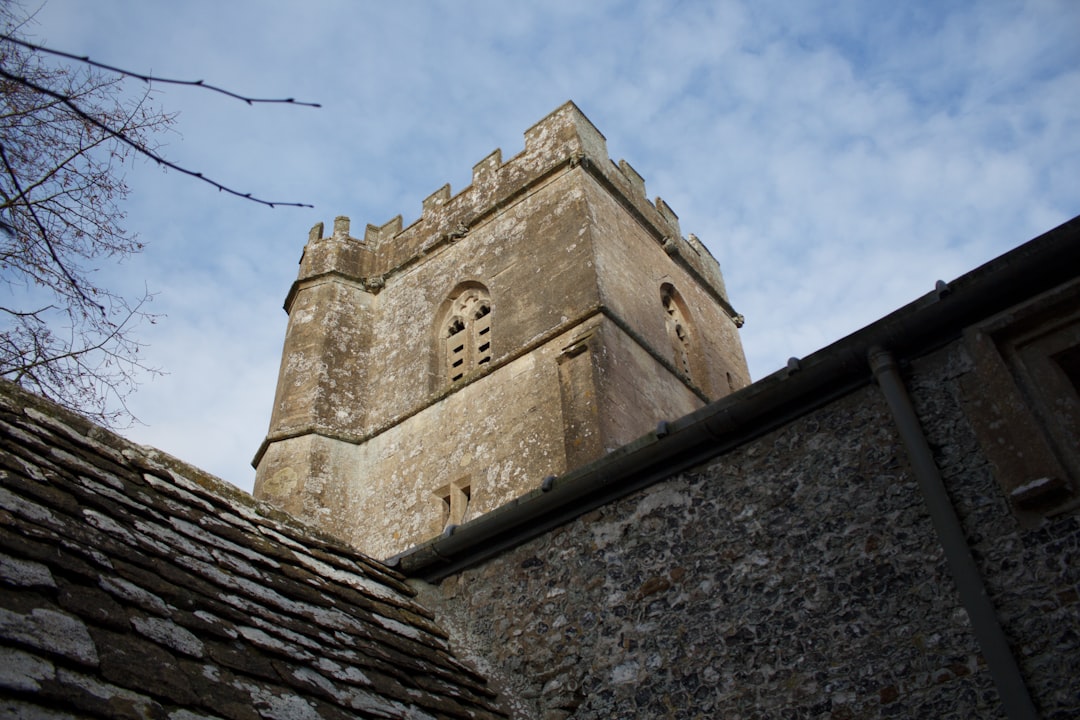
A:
(132, 584)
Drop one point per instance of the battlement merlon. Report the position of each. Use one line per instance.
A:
(339, 255)
(566, 138)
(340, 252)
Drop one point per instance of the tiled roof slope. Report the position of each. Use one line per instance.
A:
(133, 585)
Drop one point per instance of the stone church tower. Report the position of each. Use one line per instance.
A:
(543, 316)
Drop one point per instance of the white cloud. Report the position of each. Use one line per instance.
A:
(836, 157)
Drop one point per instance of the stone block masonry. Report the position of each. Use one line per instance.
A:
(796, 577)
(546, 314)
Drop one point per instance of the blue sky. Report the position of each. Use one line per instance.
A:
(836, 157)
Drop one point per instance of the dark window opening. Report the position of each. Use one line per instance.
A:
(1069, 362)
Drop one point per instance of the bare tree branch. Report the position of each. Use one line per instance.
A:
(67, 128)
(45, 236)
(155, 79)
(137, 147)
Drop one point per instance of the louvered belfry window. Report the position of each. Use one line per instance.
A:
(467, 334)
(678, 328)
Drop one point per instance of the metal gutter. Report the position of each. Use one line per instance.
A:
(804, 385)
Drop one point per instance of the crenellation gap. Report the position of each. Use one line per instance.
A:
(564, 133)
(376, 234)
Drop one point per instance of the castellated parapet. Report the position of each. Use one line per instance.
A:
(565, 138)
(539, 318)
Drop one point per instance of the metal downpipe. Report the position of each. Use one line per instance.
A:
(1015, 699)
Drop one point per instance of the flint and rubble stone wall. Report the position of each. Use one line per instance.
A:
(797, 576)
(1032, 571)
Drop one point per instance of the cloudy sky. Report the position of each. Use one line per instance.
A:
(836, 157)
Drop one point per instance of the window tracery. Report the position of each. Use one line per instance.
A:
(467, 333)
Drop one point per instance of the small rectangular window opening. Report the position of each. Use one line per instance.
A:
(455, 502)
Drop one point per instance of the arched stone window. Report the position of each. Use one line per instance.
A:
(466, 332)
(678, 328)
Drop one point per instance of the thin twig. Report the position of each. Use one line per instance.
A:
(122, 137)
(152, 78)
(75, 286)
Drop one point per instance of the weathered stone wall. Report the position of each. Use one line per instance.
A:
(495, 447)
(535, 259)
(501, 440)
(370, 425)
(631, 268)
(795, 576)
(633, 390)
(322, 377)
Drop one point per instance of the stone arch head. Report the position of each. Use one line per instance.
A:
(673, 303)
(465, 295)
